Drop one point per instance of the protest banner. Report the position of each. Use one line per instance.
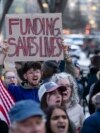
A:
(34, 37)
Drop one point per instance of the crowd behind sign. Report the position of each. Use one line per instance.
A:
(34, 37)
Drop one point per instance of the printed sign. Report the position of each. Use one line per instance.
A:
(34, 37)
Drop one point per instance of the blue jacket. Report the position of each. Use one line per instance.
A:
(92, 123)
(21, 93)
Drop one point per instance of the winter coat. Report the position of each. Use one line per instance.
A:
(92, 123)
(76, 115)
(94, 91)
(3, 127)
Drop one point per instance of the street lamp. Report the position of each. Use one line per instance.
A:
(45, 5)
(93, 23)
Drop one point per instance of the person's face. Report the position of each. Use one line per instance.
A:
(67, 93)
(59, 121)
(33, 76)
(54, 98)
(10, 78)
(30, 125)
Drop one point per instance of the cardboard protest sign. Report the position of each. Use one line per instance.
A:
(34, 37)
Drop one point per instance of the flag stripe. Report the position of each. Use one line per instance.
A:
(5, 90)
(6, 102)
(4, 114)
(5, 99)
(5, 111)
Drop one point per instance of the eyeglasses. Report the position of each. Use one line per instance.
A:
(11, 77)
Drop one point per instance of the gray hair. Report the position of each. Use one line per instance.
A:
(63, 75)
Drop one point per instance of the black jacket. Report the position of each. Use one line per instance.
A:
(3, 127)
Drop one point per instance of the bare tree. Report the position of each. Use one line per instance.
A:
(54, 5)
(7, 5)
(74, 20)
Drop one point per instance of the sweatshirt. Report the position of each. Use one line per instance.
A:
(19, 92)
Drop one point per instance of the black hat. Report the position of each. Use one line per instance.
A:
(51, 66)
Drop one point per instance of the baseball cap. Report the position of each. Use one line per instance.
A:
(49, 87)
(25, 109)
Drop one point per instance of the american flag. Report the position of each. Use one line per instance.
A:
(6, 102)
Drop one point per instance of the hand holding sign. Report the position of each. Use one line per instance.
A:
(5, 48)
(3, 51)
(66, 49)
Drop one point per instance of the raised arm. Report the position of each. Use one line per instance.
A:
(69, 67)
(3, 54)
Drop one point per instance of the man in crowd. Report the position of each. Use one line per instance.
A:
(29, 88)
(26, 117)
(10, 77)
(31, 73)
(92, 123)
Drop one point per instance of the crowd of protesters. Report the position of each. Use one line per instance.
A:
(48, 98)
